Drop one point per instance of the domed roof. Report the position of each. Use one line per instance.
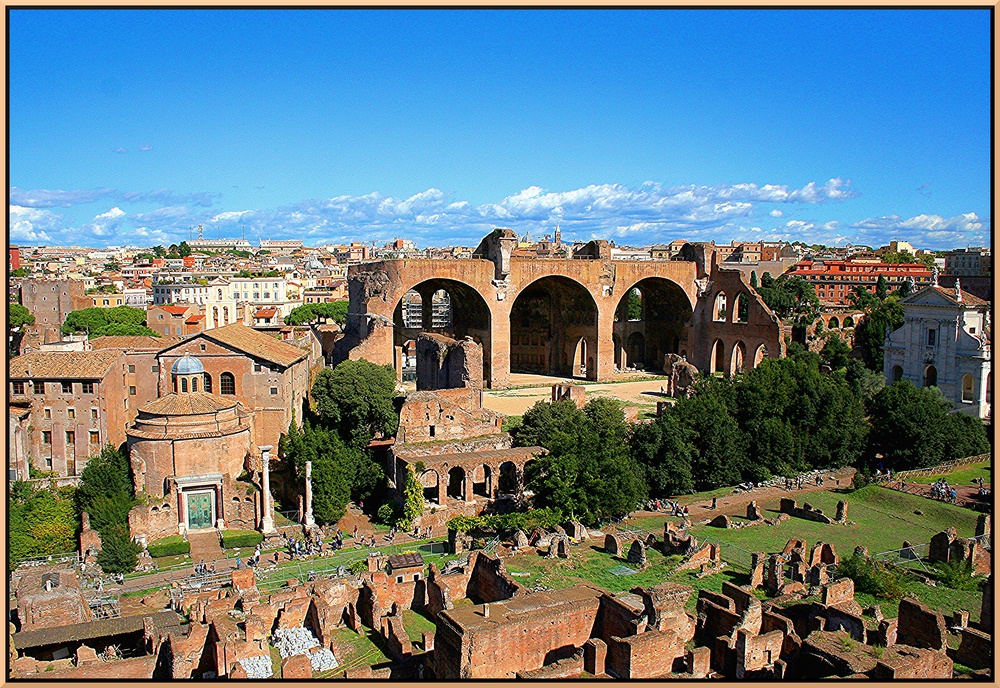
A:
(187, 365)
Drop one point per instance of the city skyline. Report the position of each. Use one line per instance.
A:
(828, 126)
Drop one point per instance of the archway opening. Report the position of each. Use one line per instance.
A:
(444, 307)
(430, 482)
(551, 323)
(833, 324)
(848, 322)
(760, 355)
(968, 389)
(456, 483)
(930, 376)
(664, 312)
(718, 357)
(481, 481)
(897, 373)
(508, 481)
(741, 313)
(738, 359)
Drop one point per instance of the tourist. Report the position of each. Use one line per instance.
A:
(239, 563)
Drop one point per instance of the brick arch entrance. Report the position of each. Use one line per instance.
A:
(549, 320)
(660, 328)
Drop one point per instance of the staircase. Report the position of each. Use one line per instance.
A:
(205, 547)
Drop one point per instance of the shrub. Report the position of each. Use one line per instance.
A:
(241, 538)
(118, 553)
(169, 546)
(507, 523)
(358, 567)
(873, 577)
(386, 513)
(957, 575)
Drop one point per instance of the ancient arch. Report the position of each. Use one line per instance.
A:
(897, 373)
(552, 321)
(720, 311)
(738, 359)
(968, 388)
(508, 481)
(741, 312)
(759, 355)
(664, 315)
(930, 376)
(482, 479)
(833, 323)
(848, 322)
(456, 483)
(443, 306)
(431, 483)
(718, 357)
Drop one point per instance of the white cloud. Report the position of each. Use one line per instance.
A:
(30, 224)
(776, 213)
(229, 216)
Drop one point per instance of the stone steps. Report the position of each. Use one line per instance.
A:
(205, 547)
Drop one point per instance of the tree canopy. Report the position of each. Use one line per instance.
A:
(42, 521)
(310, 312)
(791, 298)
(915, 427)
(18, 316)
(356, 400)
(98, 322)
(106, 493)
(882, 315)
(588, 471)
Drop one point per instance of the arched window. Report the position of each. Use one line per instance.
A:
(897, 373)
(742, 313)
(227, 383)
(760, 355)
(736, 363)
(930, 376)
(968, 390)
(848, 322)
(194, 384)
(720, 307)
(413, 310)
(225, 314)
(208, 383)
(718, 356)
(834, 324)
(184, 384)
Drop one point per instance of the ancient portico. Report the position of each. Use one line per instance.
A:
(566, 317)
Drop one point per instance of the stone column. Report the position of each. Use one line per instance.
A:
(267, 501)
(181, 511)
(466, 492)
(308, 520)
(220, 514)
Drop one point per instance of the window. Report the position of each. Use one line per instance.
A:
(67, 387)
(47, 414)
(194, 384)
(46, 437)
(95, 437)
(131, 369)
(71, 413)
(274, 391)
(930, 376)
(88, 387)
(931, 337)
(18, 387)
(131, 390)
(93, 414)
(154, 369)
(70, 437)
(208, 383)
(968, 391)
(227, 383)
(48, 462)
(203, 347)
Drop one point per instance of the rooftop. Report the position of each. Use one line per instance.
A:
(190, 404)
(133, 342)
(64, 365)
(256, 344)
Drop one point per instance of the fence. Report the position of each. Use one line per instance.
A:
(736, 557)
(918, 556)
(940, 469)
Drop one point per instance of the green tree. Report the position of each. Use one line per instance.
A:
(159, 251)
(119, 554)
(881, 288)
(183, 250)
(791, 298)
(588, 471)
(42, 521)
(356, 399)
(413, 500)
(915, 428)
(634, 305)
(864, 383)
(663, 449)
(106, 490)
(98, 322)
(835, 352)
(19, 272)
(881, 317)
(753, 279)
(719, 443)
(112, 266)
(311, 312)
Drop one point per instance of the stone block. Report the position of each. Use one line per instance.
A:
(699, 661)
(754, 512)
(243, 579)
(902, 662)
(296, 666)
(612, 545)
(637, 553)
(720, 521)
(920, 626)
(839, 592)
(293, 615)
(85, 655)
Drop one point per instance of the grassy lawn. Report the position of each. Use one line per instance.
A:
(965, 475)
(880, 520)
(174, 560)
(356, 651)
(416, 624)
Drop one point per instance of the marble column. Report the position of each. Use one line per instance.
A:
(181, 512)
(309, 521)
(266, 501)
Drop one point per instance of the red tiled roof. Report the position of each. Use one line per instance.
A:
(175, 310)
(64, 365)
(193, 403)
(194, 319)
(256, 344)
(265, 313)
(133, 342)
(967, 298)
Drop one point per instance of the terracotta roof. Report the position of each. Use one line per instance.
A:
(265, 313)
(256, 344)
(93, 629)
(188, 404)
(402, 561)
(63, 365)
(967, 298)
(175, 310)
(133, 342)
(194, 319)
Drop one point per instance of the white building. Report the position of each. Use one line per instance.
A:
(945, 342)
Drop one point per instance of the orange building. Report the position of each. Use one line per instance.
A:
(835, 279)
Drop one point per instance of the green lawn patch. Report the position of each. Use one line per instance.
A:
(965, 475)
(416, 624)
(356, 650)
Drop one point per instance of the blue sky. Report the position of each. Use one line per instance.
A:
(832, 126)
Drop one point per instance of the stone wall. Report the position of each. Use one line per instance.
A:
(446, 363)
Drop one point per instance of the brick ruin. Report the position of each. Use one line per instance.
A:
(488, 625)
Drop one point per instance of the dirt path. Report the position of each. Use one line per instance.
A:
(514, 402)
(735, 504)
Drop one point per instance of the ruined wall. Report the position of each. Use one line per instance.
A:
(646, 655)
(446, 414)
(446, 363)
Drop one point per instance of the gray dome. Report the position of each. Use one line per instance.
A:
(187, 365)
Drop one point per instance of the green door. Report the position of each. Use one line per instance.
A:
(200, 510)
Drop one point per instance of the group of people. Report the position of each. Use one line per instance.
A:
(203, 569)
(943, 491)
(673, 508)
(983, 491)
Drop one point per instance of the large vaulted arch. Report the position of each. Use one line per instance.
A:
(553, 329)
(651, 321)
